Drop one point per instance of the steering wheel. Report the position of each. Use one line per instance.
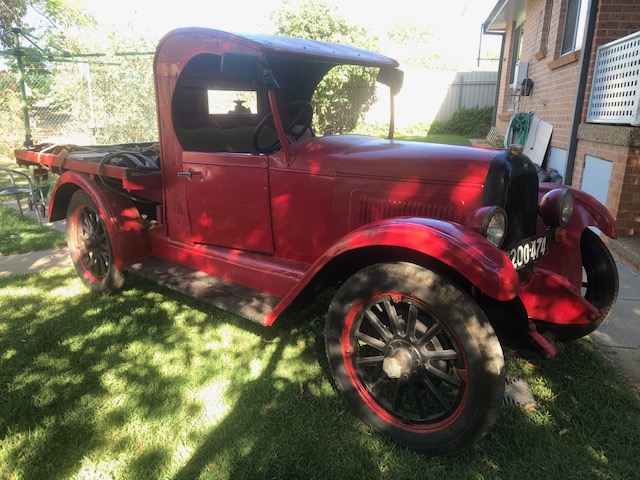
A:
(295, 129)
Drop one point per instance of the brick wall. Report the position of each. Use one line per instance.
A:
(615, 19)
(629, 210)
(555, 77)
(621, 146)
(553, 97)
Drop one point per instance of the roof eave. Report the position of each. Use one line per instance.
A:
(504, 13)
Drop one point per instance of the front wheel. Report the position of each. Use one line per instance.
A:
(599, 285)
(90, 245)
(415, 357)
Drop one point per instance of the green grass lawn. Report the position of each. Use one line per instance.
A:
(449, 139)
(149, 384)
(21, 235)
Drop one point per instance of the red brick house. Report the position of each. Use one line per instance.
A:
(591, 101)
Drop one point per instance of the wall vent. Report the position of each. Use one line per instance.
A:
(615, 92)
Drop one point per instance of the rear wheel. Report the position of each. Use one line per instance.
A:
(415, 357)
(90, 245)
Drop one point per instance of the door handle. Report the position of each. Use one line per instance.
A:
(189, 173)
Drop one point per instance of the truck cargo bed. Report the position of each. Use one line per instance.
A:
(135, 165)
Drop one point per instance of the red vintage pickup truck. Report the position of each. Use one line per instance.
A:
(443, 257)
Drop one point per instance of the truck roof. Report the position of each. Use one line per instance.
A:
(218, 41)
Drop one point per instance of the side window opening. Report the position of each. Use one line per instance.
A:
(232, 102)
(212, 112)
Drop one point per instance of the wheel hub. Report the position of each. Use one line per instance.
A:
(402, 360)
(91, 242)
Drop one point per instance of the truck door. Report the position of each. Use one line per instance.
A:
(227, 198)
(220, 177)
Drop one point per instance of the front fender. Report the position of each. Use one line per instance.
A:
(127, 231)
(468, 253)
(588, 212)
(565, 258)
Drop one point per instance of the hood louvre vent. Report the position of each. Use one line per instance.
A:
(372, 209)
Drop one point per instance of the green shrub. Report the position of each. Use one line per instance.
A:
(439, 126)
(470, 122)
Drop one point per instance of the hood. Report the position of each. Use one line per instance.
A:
(349, 155)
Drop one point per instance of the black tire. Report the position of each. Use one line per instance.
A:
(415, 357)
(90, 246)
(599, 285)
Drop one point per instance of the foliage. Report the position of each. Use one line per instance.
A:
(414, 44)
(114, 96)
(498, 142)
(148, 384)
(11, 131)
(346, 92)
(102, 99)
(52, 13)
(470, 122)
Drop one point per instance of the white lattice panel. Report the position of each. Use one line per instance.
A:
(615, 92)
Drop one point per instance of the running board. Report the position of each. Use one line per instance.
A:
(239, 299)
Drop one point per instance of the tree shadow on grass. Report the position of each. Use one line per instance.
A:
(150, 384)
(76, 367)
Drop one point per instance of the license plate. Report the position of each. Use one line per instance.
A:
(529, 250)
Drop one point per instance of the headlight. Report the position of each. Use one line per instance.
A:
(565, 207)
(490, 222)
(494, 225)
(556, 207)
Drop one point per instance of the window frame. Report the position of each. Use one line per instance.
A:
(517, 39)
(575, 21)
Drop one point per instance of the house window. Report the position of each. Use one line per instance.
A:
(516, 51)
(574, 25)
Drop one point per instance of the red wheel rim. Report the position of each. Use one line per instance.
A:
(405, 362)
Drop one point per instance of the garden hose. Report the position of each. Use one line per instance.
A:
(520, 124)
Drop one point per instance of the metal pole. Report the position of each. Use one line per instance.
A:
(587, 47)
(28, 142)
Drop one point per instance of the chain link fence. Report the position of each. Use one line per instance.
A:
(100, 102)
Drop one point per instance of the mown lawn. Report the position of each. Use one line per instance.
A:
(148, 384)
(444, 138)
(21, 235)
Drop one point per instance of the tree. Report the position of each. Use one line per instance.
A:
(346, 92)
(79, 99)
(414, 44)
(53, 13)
(111, 95)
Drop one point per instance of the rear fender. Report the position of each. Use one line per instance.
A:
(468, 253)
(127, 231)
